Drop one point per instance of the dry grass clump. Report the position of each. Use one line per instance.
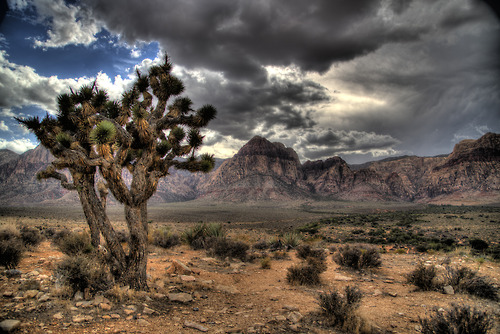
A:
(357, 257)
(308, 272)
(74, 243)
(459, 319)
(339, 310)
(164, 238)
(423, 277)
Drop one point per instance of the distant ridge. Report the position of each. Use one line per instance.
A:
(262, 170)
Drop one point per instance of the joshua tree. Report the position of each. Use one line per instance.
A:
(140, 134)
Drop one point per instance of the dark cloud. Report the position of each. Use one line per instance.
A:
(428, 70)
(238, 37)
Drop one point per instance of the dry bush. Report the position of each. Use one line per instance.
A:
(339, 310)
(265, 263)
(423, 277)
(75, 243)
(11, 253)
(30, 236)
(459, 319)
(303, 274)
(164, 238)
(84, 272)
(466, 280)
(223, 247)
(357, 257)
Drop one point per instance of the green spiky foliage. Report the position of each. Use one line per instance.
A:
(148, 131)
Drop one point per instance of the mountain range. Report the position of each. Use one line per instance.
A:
(262, 170)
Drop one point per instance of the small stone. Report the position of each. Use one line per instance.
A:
(448, 290)
(115, 316)
(78, 296)
(290, 308)
(181, 297)
(105, 306)
(13, 273)
(128, 311)
(194, 325)
(30, 294)
(58, 316)
(143, 322)
(294, 317)
(187, 278)
(147, 310)
(227, 289)
(342, 278)
(179, 268)
(43, 298)
(9, 325)
(377, 292)
(280, 318)
(82, 318)
(392, 294)
(8, 294)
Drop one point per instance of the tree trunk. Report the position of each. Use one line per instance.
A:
(135, 274)
(84, 182)
(98, 220)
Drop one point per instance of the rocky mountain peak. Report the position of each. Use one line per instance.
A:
(261, 146)
(486, 148)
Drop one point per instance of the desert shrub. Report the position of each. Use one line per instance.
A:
(466, 280)
(265, 263)
(291, 240)
(164, 238)
(261, 245)
(339, 310)
(9, 232)
(478, 245)
(30, 236)
(200, 235)
(11, 252)
(357, 257)
(224, 247)
(81, 272)
(305, 251)
(303, 274)
(280, 255)
(423, 277)
(60, 234)
(311, 228)
(75, 243)
(276, 243)
(494, 251)
(459, 319)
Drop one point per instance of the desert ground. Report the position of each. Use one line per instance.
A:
(224, 295)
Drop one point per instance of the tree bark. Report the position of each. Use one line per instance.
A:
(84, 183)
(135, 273)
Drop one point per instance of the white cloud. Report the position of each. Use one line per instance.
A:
(21, 86)
(17, 145)
(3, 126)
(69, 24)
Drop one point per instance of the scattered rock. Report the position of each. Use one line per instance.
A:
(82, 318)
(58, 316)
(105, 306)
(187, 278)
(195, 325)
(377, 292)
(13, 273)
(143, 322)
(115, 316)
(448, 290)
(294, 317)
(179, 268)
(30, 294)
(342, 278)
(290, 308)
(148, 310)
(78, 296)
(181, 297)
(227, 289)
(9, 325)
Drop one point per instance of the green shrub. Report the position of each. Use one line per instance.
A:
(30, 236)
(423, 277)
(164, 238)
(199, 235)
(305, 251)
(339, 310)
(291, 240)
(465, 280)
(81, 272)
(75, 243)
(357, 257)
(460, 319)
(11, 253)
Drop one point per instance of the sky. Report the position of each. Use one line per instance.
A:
(363, 80)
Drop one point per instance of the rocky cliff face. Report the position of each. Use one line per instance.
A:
(262, 170)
